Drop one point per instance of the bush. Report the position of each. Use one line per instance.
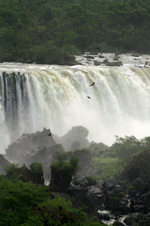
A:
(37, 173)
(12, 170)
(25, 204)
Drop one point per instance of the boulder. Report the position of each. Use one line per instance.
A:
(116, 198)
(104, 215)
(97, 63)
(85, 194)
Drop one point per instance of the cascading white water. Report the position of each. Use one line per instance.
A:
(55, 97)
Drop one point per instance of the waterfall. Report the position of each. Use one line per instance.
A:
(55, 97)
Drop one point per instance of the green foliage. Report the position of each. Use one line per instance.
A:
(138, 167)
(37, 172)
(25, 204)
(65, 167)
(145, 144)
(125, 148)
(61, 173)
(59, 211)
(12, 170)
(57, 203)
(97, 149)
(107, 167)
(52, 31)
(16, 200)
(95, 224)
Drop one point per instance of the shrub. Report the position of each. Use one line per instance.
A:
(37, 172)
(12, 170)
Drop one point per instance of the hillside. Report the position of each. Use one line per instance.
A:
(53, 31)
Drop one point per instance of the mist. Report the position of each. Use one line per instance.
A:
(56, 97)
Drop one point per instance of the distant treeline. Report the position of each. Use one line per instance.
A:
(51, 31)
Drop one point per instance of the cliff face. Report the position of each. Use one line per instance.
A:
(29, 144)
(37, 147)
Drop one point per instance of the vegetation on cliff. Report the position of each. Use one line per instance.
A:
(53, 31)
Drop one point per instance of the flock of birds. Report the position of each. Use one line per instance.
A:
(90, 85)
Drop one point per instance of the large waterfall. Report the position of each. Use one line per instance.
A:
(59, 97)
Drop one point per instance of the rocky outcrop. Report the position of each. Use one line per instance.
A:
(137, 219)
(28, 144)
(116, 197)
(37, 147)
(86, 195)
(75, 139)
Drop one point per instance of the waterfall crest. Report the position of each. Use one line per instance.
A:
(56, 97)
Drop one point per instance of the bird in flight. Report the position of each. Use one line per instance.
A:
(89, 97)
(92, 84)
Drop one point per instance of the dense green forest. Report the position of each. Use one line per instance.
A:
(51, 31)
(25, 204)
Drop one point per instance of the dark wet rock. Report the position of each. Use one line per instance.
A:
(90, 57)
(100, 56)
(138, 188)
(114, 63)
(97, 63)
(85, 194)
(96, 196)
(116, 198)
(129, 220)
(69, 60)
(81, 201)
(104, 215)
(136, 219)
(139, 193)
(74, 190)
(80, 181)
(118, 223)
(92, 181)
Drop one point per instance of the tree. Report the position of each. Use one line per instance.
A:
(25, 204)
(62, 172)
(37, 173)
(126, 147)
(12, 170)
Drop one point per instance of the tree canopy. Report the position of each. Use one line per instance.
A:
(26, 204)
(45, 31)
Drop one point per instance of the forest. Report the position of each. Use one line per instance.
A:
(82, 183)
(52, 32)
